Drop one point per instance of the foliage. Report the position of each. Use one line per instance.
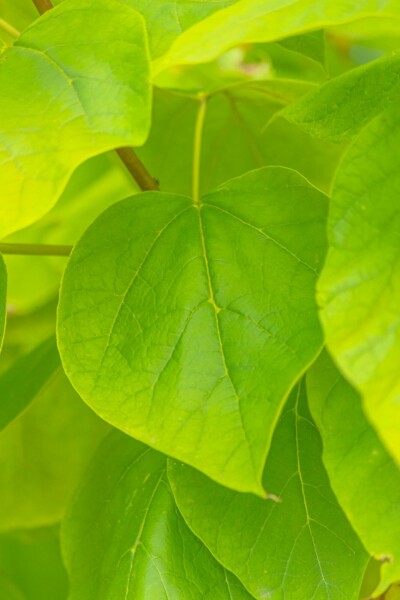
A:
(199, 384)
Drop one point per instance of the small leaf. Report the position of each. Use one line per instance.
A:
(124, 537)
(339, 109)
(3, 299)
(310, 44)
(299, 548)
(259, 21)
(359, 290)
(161, 297)
(364, 477)
(26, 379)
(75, 84)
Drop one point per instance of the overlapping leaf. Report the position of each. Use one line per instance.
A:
(43, 454)
(341, 107)
(299, 548)
(364, 477)
(359, 290)
(258, 21)
(74, 85)
(160, 299)
(3, 297)
(125, 538)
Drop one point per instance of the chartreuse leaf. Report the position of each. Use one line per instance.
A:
(167, 19)
(74, 85)
(3, 297)
(125, 538)
(43, 454)
(310, 44)
(364, 477)
(341, 107)
(260, 21)
(299, 548)
(25, 380)
(160, 298)
(359, 290)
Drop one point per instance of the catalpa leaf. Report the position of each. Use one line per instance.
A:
(340, 108)
(124, 537)
(359, 290)
(43, 454)
(3, 298)
(364, 477)
(185, 325)
(26, 379)
(299, 548)
(259, 21)
(75, 84)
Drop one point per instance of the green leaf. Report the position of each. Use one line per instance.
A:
(257, 21)
(125, 538)
(25, 380)
(310, 44)
(359, 290)
(43, 454)
(3, 299)
(299, 548)
(340, 108)
(74, 85)
(161, 296)
(167, 19)
(363, 476)
(9, 591)
(236, 137)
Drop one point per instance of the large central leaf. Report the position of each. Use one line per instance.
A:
(74, 85)
(186, 325)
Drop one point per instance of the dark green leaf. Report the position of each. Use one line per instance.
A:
(124, 537)
(299, 548)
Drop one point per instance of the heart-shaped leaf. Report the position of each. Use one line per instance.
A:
(75, 84)
(299, 548)
(359, 290)
(186, 325)
(364, 477)
(124, 537)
